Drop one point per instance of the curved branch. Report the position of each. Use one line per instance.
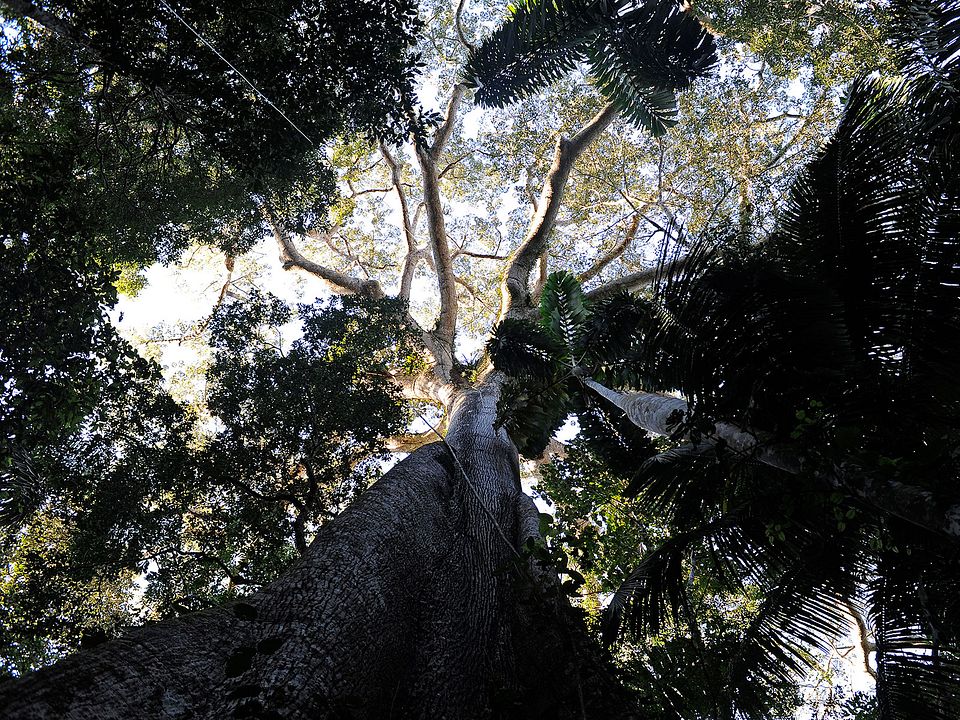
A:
(636, 280)
(408, 442)
(338, 282)
(863, 637)
(458, 24)
(445, 130)
(612, 254)
(514, 290)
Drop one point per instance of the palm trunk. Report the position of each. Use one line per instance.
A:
(653, 412)
(405, 606)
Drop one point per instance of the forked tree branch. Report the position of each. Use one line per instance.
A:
(514, 288)
(442, 136)
(338, 282)
(426, 386)
(408, 442)
(442, 337)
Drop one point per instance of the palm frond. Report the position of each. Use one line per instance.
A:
(807, 583)
(563, 311)
(613, 329)
(523, 350)
(532, 413)
(915, 605)
(616, 440)
(655, 590)
(663, 478)
(927, 33)
(21, 490)
(642, 57)
(640, 53)
(540, 42)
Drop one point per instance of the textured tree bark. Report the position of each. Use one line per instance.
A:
(416, 602)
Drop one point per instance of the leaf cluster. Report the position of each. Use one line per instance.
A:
(839, 337)
(197, 509)
(639, 53)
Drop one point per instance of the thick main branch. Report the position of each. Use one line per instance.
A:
(612, 254)
(514, 288)
(338, 282)
(443, 262)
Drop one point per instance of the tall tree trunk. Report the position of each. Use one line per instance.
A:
(416, 602)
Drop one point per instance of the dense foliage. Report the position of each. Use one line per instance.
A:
(834, 340)
(197, 511)
(123, 138)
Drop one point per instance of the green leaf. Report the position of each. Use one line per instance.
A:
(563, 310)
(540, 42)
(641, 58)
(523, 350)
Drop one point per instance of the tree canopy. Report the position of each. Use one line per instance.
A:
(793, 289)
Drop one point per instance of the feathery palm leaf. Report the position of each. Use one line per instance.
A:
(21, 490)
(840, 334)
(640, 53)
(916, 612)
(655, 590)
(563, 311)
(522, 349)
(808, 581)
(540, 42)
(642, 57)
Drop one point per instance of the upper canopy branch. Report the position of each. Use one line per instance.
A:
(446, 327)
(338, 282)
(635, 280)
(445, 130)
(612, 254)
(514, 290)
(413, 256)
(343, 284)
(458, 24)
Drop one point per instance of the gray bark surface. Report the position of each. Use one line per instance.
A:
(405, 606)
